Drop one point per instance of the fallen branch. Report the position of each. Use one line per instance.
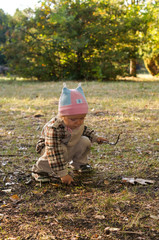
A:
(10, 155)
(108, 230)
(113, 143)
(131, 232)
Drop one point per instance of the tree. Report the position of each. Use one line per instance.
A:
(71, 39)
(75, 39)
(4, 29)
(28, 50)
(134, 30)
(150, 49)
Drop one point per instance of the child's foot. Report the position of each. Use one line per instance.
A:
(85, 168)
(40, 178)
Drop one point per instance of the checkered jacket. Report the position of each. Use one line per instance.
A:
(52, 136)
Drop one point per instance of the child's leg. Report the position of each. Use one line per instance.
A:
(79, 152)
(42, 165)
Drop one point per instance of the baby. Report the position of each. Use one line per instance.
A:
(65, 139)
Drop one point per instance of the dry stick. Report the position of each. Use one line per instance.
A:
(122, 231)
(113, 143)
(131, 232)
(10, 155)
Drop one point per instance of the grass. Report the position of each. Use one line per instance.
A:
(95, 202)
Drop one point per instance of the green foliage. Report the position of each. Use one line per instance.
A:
(87, 39)
(152, 64)
(3, 34)
(65, 39)
(150, 49)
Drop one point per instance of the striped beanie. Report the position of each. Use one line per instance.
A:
(72, 102)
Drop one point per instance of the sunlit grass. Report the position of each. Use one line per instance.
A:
(127, 107)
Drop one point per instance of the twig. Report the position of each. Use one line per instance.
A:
(131, 232)
(113, 143)
(10, 155)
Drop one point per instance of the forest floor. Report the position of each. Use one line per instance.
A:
(101, 205)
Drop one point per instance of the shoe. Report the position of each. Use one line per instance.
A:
(85, 168)
(40, 178)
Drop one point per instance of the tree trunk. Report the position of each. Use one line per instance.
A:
(79, 64)
(133, 67)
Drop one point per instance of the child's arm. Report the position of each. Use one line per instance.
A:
(91, 134)
(100, 140)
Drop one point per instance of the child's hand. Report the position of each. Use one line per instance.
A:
(100, 140)
(67, 179)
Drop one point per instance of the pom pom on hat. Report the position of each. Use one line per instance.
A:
(72, 101)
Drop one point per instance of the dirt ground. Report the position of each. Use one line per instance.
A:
(99, 205)
(94, 207)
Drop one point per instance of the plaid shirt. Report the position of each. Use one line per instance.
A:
(53, 135)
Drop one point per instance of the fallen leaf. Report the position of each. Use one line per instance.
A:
(138, 180)
(4, 205)
(55, 185)
(15, 198)
(154, 217)
(95, 236)
(7, 190)
(144, 181)
(9, 184)
(106, 182)
(128, 180)
(99, 217)
(108, 230)
(35, 192)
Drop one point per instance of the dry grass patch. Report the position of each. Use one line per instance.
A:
(97, 206)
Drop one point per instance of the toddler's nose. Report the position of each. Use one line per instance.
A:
(78, 122)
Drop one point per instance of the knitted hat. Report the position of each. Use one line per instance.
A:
(72, 101)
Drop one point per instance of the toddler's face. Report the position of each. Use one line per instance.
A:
(74, 121)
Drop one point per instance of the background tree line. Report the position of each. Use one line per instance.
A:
(81, 39)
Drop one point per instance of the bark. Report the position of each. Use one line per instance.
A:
(133, 67)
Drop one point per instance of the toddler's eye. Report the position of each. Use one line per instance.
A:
(76, 119)
(73, 120)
